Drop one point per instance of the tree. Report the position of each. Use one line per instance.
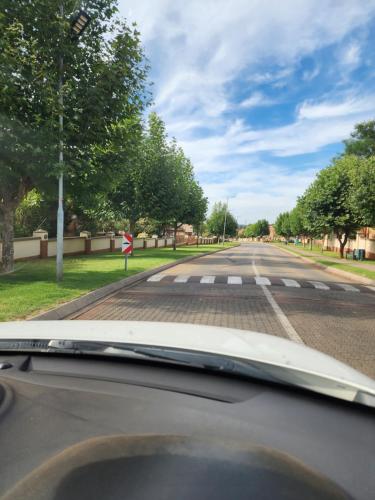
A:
(327, 202)
(258, 229)
(104, 82)
(362, 141)
(282, 225)
(261, 228)
(362, 192)
(167, 188)
(250, 231)
(155, 180)
(215, 223)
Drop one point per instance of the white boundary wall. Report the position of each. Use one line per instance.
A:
(25, 248)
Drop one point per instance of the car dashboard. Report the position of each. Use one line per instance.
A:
(84, 427)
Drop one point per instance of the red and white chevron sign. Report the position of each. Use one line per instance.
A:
(127, 243)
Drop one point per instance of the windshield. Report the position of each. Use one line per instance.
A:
(208, 163)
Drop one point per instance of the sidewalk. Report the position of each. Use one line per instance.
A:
(311, 253)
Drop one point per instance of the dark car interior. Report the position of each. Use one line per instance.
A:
(74, 427)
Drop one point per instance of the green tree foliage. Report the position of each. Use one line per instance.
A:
(249, 231)
(215, 223)
(258, 229)
(329, 201)
(296, 222)
(167, 188)
(104, 81)
(362, 193)
(283, 226)
(362, 140)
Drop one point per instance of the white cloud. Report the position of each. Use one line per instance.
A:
(260, 191)
(197, 49)
(257, 99)
(309, 75)
(351, 55)
(327, 109)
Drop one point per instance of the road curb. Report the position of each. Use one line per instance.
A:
(69, 308)
(338, 272)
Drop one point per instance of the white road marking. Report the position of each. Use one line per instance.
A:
(347, 288)
(181, 279)
(208, 279)
(262, 281)
(319, 285)
(292, 283)
(156, 277)
(288, 327)
(234, 280)
(371, 287)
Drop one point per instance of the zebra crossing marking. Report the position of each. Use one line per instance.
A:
(291, 283)
(259, 280)
(347, 287)
(156, 277)
(208, 279)
(319, 285)
(234, 280)
(181, 279)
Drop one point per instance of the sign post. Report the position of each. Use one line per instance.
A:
(127, 247)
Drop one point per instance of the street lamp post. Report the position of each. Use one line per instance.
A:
(79, 23)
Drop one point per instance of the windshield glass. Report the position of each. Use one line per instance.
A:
(207, 163)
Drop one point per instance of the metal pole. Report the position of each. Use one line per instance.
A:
(60, 210)
(225, 220)
(126, 262)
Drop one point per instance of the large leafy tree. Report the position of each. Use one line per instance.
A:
(215, 223)
(327, 202)
(258, 229)
(167, 189)
(362, 140)
(154, 180)
(104, 81)
(362, 193)
(282, 225)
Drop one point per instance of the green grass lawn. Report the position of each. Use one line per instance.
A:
(347, 267)
(32, 287)
(318, 249)
(340, 264)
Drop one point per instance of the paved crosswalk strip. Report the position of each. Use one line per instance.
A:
(348, 288)
(181, 279)
(156, 277)
(292, 283)
(259, 280)
(208, 279)
(319, 285)
(234, 280)
(221, 280)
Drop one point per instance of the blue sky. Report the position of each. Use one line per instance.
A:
(260, 93)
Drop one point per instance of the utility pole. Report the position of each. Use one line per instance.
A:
(60, 209)
(225, 220)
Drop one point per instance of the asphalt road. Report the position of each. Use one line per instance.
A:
(257, 287)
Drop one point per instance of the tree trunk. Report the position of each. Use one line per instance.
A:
(175, 236)
(311, 241)
(7, 238)
(342, 244)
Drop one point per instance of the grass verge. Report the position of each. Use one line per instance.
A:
(366, 273)
(344, 266)
(32, 286)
